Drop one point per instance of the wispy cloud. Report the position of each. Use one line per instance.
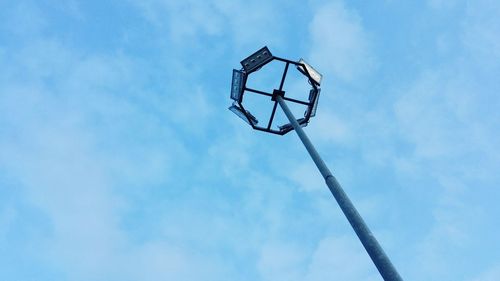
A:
(339, 43)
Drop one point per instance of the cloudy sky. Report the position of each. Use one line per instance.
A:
(120, 161)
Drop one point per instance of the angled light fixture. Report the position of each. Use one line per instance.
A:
(309, 71)
(257, 60)
(288, 127)
(237, 85)
(313, 99)
(244, 114)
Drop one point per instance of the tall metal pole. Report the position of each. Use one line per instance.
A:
(377, 254)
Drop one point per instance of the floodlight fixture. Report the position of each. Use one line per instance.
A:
(237, 85)
(257, 60)
(313, 99)
(243, 114)
(308, 70)
(238, 89)
(288, 127)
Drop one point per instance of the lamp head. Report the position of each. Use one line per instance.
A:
(254, 63)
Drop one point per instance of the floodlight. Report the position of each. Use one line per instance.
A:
(257, 60)
(315, 75)
(313, 98)
(244, 114)
(237, 85)
(288, 127)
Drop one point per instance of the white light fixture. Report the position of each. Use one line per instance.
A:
(315, 75)
(245, 115)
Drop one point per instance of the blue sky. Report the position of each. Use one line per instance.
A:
(120, 161)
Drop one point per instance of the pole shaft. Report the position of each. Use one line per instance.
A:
(375, 251)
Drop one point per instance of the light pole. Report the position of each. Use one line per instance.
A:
(253, 63)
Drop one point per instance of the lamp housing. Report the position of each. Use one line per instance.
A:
(239, 89)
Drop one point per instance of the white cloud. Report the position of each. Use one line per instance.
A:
(8, 215)
(279, 261)
(332, 128)
(442, 4)
(340, 258)
(184, 20)
(76, 147)
(443, 116)
(188, 21)
(307, 176)
(491, 274)
(22, 19)
(340, 46)
(482, 30)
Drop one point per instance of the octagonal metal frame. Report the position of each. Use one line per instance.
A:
(252, 64)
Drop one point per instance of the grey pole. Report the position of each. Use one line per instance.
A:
(377, 254)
